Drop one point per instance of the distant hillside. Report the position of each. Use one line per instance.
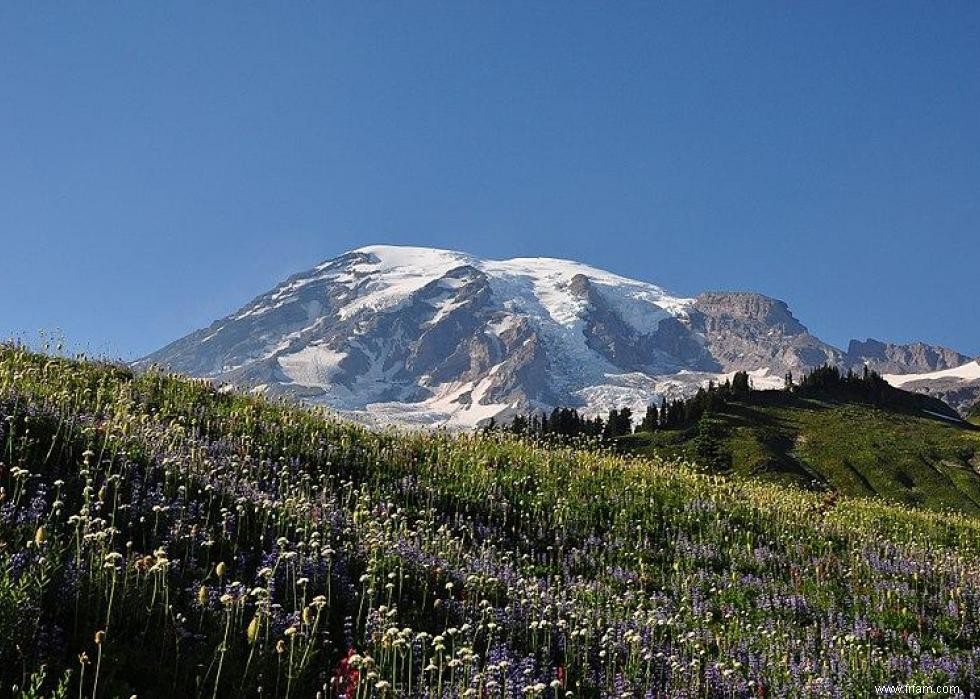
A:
(904, 452)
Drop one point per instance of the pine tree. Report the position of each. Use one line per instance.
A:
(626, 421)
(740, 384)
(650, 419)
(707, 444)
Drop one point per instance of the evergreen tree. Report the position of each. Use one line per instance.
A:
(740, 384)
(612, 424)
(626, 421)
(708, 448)
(651, 419)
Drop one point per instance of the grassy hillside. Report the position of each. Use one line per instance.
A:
(159, 538)
(848, 447)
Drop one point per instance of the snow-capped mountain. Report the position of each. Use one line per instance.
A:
(418, 335)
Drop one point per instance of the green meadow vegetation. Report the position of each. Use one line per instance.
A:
(974, 415)
(844, 446)
(162, 538)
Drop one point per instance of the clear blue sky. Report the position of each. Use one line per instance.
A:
(162, 163)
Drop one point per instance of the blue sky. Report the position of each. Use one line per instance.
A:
(163, 163)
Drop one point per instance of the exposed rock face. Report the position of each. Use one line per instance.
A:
(672, 345)
(415, 335)
(914, 358)
(745, 331)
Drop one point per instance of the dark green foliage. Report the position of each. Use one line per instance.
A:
(740, 385)
(562, 423)
(708, 443)
(651, 420)
(866, 387)
(620, 423)
(681, 414)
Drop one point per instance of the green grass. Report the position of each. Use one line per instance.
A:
(850, 448)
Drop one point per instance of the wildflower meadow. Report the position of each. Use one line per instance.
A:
(160, 537)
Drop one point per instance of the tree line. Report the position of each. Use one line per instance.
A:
(685, 413)
(675, 414)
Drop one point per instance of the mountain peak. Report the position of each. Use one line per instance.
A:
(911, 358)
(412, 334)
(409, 255)
(749, 306)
